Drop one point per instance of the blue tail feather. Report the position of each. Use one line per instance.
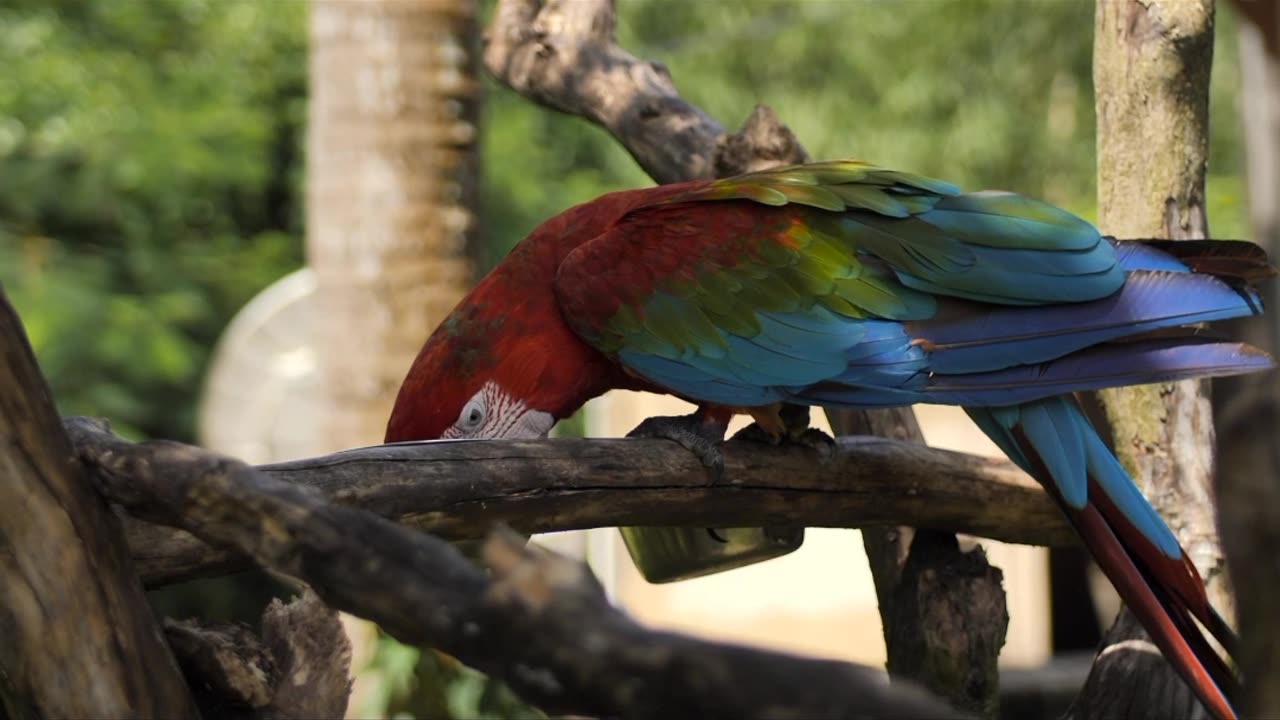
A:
(1132, 255)
(1069, 447)
(1115, 482)
(1053, 441)
(968, 338)
(1131, 363)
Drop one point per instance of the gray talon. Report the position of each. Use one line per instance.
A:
(695, 433)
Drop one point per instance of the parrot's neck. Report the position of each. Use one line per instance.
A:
(532, 352)
(510, 331)
(510, 328)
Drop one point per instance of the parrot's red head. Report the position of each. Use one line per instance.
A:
(504, 364)
(471, 379)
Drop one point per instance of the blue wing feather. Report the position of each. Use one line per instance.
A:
(1130, 363)
(977, 355)
(1005, 299)
(981, 338)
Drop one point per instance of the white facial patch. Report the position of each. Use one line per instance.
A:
(492, 413)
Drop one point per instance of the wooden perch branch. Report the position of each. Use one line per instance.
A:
(459, 489)
(539, 621)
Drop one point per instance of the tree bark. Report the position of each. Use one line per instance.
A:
(391, 182)
(299, 668)
(1151, 77)
(943, 610)
(561, 53)
(77, 638)
(1247, 409)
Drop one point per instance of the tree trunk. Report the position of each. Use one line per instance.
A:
(1151, 77)
(77, 638)
(391, 180)
(943, 610)
(391, 183)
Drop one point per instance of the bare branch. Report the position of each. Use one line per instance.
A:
(544, 55)
(541, 623)
(459, 489)
(943, 610)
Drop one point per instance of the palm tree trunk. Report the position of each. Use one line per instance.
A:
(391, 182)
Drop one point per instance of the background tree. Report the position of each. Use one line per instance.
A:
(392, 173)
(391, 177)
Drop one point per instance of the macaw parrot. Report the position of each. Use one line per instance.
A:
(841, 284)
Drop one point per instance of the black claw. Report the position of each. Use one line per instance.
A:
(695, 433)
(818, 441)
(756, 434)
(795, 419)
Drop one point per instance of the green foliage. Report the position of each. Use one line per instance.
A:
(990, 93)
(148, 159)
(406, 682)
(537, 163)
(1226, 199)
(985, 93)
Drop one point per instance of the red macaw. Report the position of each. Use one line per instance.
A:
(840, 284)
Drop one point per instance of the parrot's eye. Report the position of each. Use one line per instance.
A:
(492, 413)
(472, 416)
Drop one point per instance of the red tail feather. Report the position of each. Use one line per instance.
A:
(1167, 623)
(1177, 584)
(1165, 594)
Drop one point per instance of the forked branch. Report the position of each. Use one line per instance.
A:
(537, 620)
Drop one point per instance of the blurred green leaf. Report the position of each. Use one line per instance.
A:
(148, 162)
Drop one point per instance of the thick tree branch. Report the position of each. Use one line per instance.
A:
(943, 610)
(76, 636)
(561, 53)
(563, 56)
(459, 489)
(538, 621)
(1151, 75)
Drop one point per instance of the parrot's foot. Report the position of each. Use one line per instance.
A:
(699, 433)
(794, 421)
